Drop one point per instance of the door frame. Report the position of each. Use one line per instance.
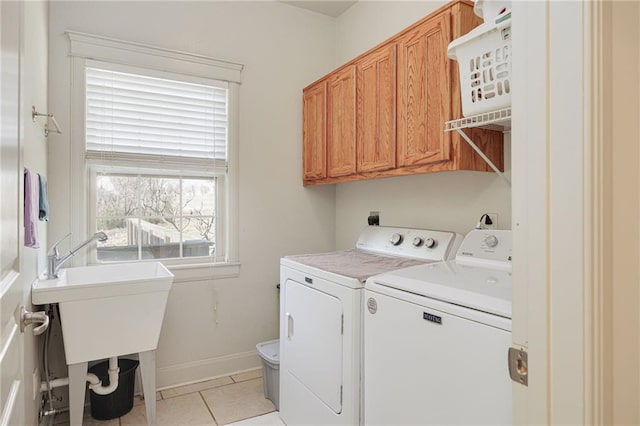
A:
(557, 209)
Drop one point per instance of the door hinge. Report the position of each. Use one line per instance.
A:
(342, 324)
(518, 366)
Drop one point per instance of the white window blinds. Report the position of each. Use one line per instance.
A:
(137, 117)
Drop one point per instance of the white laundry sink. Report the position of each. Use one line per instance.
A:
(108, 310)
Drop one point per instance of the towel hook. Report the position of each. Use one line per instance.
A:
(50, 116)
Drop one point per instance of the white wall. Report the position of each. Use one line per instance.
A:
(34, 75)
(450, 201)
(211, 326)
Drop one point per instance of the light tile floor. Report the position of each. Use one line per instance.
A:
(234, 400)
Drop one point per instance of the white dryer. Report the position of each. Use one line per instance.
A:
(436, 339)
(321, 319)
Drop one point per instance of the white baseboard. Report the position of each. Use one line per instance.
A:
(197, 371)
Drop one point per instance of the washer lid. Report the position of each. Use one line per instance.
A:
(482, 289)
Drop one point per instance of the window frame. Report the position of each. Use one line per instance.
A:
(87, 50)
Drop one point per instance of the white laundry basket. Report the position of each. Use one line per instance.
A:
(269, 352)
(489, 9)
(484, 62)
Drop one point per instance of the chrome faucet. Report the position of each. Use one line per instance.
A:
(54, 261)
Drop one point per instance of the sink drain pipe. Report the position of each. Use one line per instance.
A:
(94, 382)
(96, 385)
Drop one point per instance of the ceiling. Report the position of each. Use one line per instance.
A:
(331, 8)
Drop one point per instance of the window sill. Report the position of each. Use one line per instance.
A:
(203, 271)
(186, 270)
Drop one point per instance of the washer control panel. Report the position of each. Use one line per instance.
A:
(424, 244)
(486, 246)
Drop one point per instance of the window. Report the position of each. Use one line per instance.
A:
(149, 217)
(147, 126)
(156, 148)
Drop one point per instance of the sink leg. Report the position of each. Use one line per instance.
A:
(148, 370)
(77, 388)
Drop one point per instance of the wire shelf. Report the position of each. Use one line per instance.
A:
(494, 120)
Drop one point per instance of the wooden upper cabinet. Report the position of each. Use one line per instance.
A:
(314, 132)
(376, 110)
(384, 112)
(424, 100)
(341, 123)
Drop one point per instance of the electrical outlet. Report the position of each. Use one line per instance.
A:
(36, 383)
(494, 219)
(374, 218)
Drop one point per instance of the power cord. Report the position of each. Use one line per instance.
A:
(485, 220)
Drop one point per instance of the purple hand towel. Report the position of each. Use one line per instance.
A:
(31, 209)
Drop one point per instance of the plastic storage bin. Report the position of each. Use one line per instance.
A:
(484, 63)
(120, 401)
(269, 352)
(489, 9)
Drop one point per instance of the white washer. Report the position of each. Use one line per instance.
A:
(321, 320)
(436, 339)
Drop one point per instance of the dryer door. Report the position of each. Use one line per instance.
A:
(313, 341)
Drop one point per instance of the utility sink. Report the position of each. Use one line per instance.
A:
(108, 310)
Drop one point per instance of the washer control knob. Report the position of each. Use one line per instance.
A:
(491, 241)
(430, 243)
(417, 241)
(396, 239)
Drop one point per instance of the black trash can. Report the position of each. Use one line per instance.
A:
(119, 402)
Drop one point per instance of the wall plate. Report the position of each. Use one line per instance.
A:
(494, 219)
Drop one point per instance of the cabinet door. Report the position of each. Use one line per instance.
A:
(376, 117)
(341, 123)
(314, 132)
(423, 93)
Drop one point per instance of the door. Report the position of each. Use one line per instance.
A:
(422, 367)
(376, 115)
(559, 203)
(341, 123)
(424, 93)
(313, 341)
(11, 339)
(314, 131)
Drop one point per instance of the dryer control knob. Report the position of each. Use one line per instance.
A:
(491, 241)
(396, 239)
(417, 241)
(430, 243)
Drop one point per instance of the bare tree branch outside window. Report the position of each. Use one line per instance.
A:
(162, 210)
